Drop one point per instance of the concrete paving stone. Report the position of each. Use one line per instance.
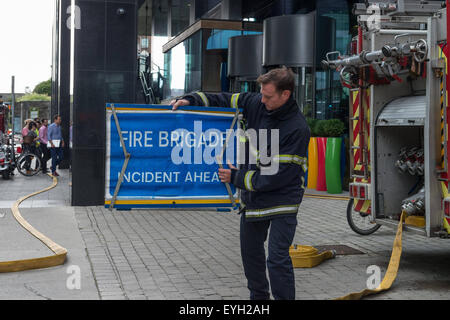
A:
(156, 297)
(102, 285)
(227, 280)
(310, 297)
(236, 284)
(154, 268)
(111, 292)
(134, 292)
(102, 261)
(184, 287)
(124, 268)
(162, 280)
(128, 276)
(147, 283)
(107, 279)
(96, 249)
(169, 287)
(137, 297)
(173, 296)
(130, 286)
(191, 296)
(102, 282)
(105, 275)
(213, 297)
(146, 279)
(229, 298)
(102, 264)
(113, 297)
(178, 280)
(223, 291)
(145, 276)
(201, 287)
(100, 270)
(206, 292)
(117, 257)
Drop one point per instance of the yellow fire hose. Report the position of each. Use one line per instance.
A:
(35, 263)
(392, 269)
(307, 256)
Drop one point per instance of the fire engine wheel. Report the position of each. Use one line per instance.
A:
(28, 164)
(360, 221)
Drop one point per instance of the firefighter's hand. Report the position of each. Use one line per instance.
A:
(225, 174)
(181, 102)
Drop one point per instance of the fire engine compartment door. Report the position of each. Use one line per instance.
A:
(404, 111)
(399, 124)
(391, 185)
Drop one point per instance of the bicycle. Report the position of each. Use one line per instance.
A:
(29, 162)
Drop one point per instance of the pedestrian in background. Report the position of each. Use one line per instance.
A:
(33, 138)
(56, 143)
(43, 138)
(25, 129)
(29, 144)
(38, 126)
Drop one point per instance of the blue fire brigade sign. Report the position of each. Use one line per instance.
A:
(173, 156)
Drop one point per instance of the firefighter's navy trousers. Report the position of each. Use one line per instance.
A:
(279, 264)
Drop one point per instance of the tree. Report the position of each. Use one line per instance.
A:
(34, 97)
(45, 87)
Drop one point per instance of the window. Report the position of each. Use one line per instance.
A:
(182, 66)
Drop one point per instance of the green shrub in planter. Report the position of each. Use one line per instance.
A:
(311, 124)
(319, 128)
(333, 128)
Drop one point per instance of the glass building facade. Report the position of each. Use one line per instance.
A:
(331, 98)
(199, 60)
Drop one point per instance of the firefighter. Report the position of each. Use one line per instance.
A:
(268, 201)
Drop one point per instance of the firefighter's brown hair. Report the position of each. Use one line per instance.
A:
(282, 78)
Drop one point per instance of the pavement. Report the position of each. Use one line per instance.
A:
(178, 254)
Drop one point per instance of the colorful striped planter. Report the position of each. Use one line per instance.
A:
(313, 163)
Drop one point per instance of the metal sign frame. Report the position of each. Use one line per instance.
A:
(115, 201)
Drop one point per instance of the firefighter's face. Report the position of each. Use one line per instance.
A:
(272, 98)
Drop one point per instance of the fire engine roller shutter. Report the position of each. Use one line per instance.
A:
(405, 111)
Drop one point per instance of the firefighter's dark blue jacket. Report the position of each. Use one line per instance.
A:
(274, 195)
